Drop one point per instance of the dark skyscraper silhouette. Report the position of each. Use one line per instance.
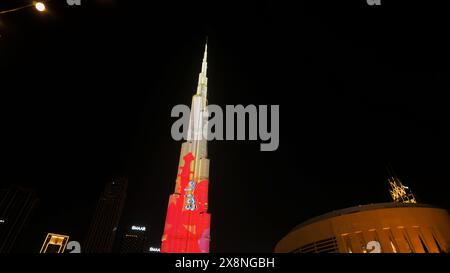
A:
(103, 229)
(16, 205)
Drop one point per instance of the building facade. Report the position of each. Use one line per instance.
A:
(376, 228)
(102, 232)
(54, 243)
(187, 226)
(134, 240)
(16, 206)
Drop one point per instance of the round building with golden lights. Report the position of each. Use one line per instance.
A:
(375, 228)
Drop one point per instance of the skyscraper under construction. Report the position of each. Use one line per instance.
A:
(187, 226)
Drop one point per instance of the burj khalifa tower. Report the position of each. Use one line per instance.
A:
(187, 226)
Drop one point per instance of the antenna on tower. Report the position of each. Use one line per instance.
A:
(399, 192)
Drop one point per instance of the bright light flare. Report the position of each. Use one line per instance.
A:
(40, 6)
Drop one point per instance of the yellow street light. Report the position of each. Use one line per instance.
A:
(40, 6)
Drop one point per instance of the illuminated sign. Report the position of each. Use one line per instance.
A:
(138, 228)
(2, 221)
(189, 200)
(154, 249)
(54, 243)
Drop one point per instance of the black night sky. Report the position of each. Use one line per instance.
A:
(86, 95)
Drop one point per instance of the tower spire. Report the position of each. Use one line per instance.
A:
(206, 52)
(202, 87)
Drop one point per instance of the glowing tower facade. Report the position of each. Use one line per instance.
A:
(187, 227)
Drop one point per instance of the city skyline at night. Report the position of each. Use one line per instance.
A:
(88, 92)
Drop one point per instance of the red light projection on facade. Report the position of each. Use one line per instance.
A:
(187, 223)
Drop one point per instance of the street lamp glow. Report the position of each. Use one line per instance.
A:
(40, 6)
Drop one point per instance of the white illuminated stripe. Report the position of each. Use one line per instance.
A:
(138, 228)
(154, 249)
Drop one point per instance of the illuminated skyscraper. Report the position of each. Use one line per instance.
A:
(102, 233)
(16, 205)
(187, 224)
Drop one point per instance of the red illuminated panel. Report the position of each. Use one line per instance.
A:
(187, 222)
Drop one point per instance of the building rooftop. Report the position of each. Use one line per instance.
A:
(359, 209)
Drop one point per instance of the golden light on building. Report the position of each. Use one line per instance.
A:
(54, 243)
(399, 192)
(376, 228)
